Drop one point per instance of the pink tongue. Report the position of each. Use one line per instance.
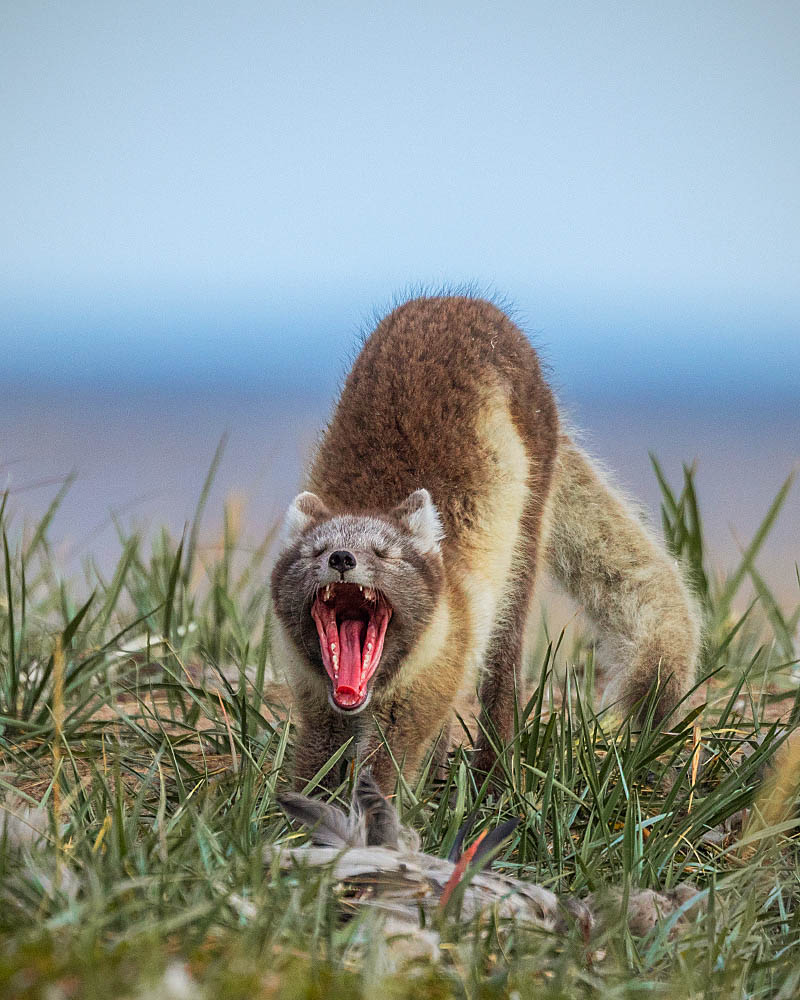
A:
(348, 683)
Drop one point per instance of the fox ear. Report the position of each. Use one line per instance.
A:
(304, 510)
(419, 515)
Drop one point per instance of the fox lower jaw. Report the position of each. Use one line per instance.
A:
(306, 676)
(348, 713)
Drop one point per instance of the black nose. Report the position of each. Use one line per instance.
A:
(341, 561)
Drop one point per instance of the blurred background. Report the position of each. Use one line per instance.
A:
(202, 206)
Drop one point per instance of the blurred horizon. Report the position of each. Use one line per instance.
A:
(635, 352)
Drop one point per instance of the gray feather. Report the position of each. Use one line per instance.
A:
(382, 821)
(328, 825)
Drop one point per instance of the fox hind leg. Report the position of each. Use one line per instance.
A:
(503, 662)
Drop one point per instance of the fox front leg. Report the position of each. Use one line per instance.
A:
(410, 724)
(320, 734)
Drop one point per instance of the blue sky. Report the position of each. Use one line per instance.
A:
(227, 191)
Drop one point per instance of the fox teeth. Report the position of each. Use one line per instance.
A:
(361, 588)
(369, 593)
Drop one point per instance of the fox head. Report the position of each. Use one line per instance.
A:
(356, 590)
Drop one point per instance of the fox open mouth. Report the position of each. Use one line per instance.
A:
(351, 623)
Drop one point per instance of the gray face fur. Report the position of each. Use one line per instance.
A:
(397, 554)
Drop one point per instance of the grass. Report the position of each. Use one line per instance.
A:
(136, 710)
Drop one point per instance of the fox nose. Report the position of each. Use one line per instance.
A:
(341, 561)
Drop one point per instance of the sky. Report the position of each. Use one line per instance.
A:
(230, 191)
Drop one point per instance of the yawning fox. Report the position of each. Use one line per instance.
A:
(407, 569)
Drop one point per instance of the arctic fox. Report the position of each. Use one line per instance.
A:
(407, 569)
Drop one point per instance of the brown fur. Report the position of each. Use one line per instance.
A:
(447, 394)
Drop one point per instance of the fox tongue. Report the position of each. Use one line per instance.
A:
(348, 682)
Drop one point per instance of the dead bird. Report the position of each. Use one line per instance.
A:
(379, 862)
(380, 865)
